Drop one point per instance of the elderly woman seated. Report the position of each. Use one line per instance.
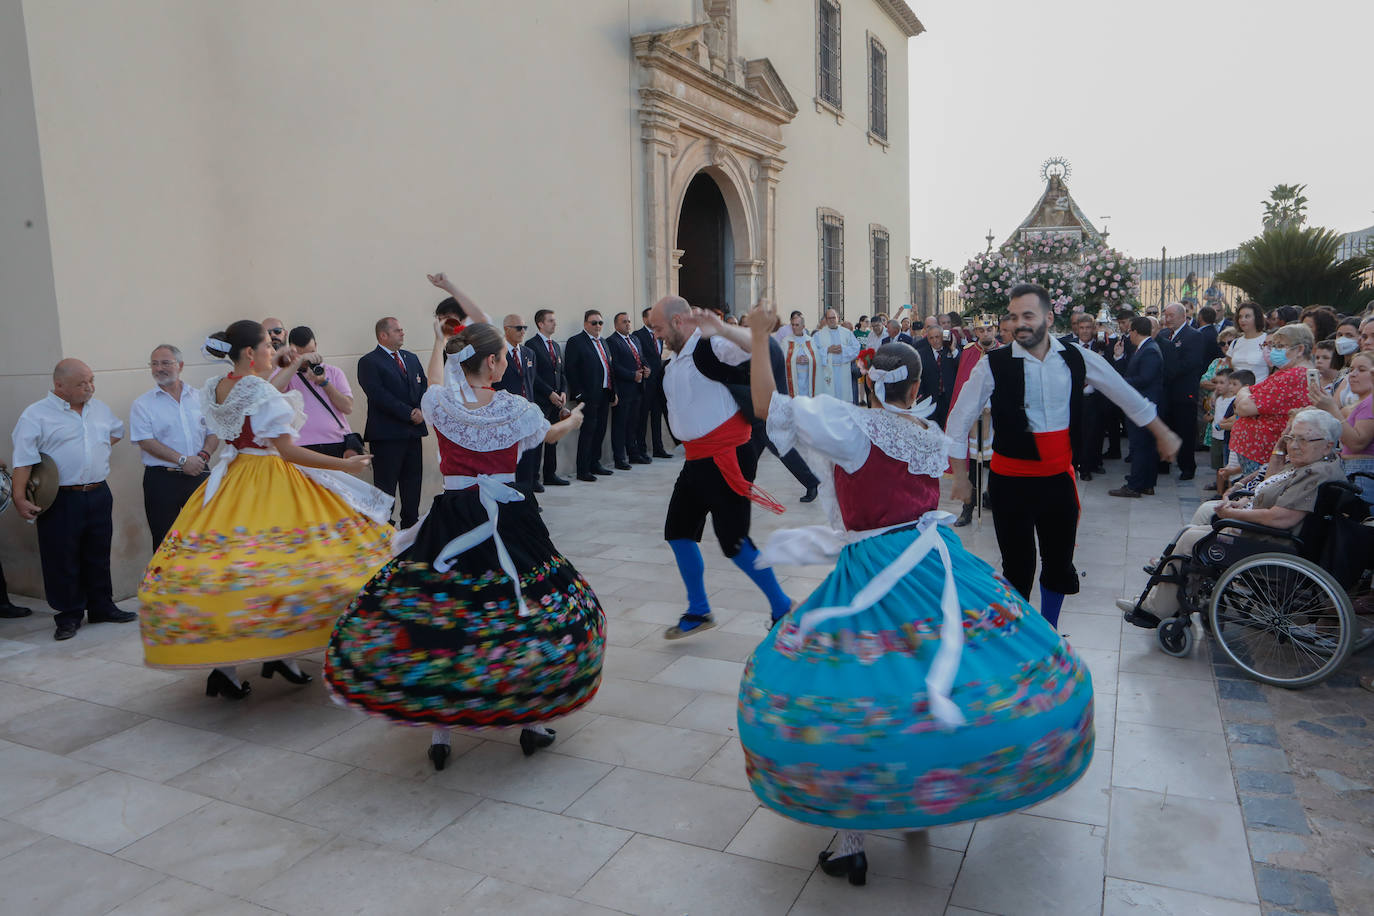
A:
(1304, 459)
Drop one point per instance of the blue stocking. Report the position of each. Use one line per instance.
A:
(693, 571)
(763, 578)
(1050, 605)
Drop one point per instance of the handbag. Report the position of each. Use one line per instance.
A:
(352, 442)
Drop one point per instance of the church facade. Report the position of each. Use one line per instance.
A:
(167, 168)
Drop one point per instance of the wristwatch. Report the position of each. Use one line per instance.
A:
(324, 383)
(181, 462)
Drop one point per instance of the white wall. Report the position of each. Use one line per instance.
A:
(834, 165)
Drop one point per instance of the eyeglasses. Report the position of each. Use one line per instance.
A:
(1293, 439)
(276, 332)
(597, 323)
(517, 327)
(162, 364)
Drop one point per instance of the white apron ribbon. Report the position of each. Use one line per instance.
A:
(227, 453)
(944, 667)
(491, 490)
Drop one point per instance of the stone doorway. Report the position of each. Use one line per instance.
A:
(707, 246)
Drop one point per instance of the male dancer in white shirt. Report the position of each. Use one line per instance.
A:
(1035, 389)
(717, 477)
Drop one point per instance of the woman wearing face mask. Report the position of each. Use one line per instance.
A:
(1357, 421)
(1247, 350)
(1347, 344)
(1262, 411)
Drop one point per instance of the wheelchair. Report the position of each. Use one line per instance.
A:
(1287, 608)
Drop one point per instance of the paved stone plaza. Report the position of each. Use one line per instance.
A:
(125, 790)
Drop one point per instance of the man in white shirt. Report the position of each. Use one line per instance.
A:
(717, 478)
(77, 432)
(1035, 388)
(168, 427)
(836, 348)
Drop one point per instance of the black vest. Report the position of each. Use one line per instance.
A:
(1011, 435)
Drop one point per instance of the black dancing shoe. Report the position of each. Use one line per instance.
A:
(854, 867)
(811, 494)
(218, 684)
(279, 667)
(965, 517)
(438, 755)
(531, 740)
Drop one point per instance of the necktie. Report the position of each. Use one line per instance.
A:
(519, 369)
(553, 356)
(635, 352)
(400, 363)
(605, 363)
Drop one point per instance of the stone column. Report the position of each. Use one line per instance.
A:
(658, 132)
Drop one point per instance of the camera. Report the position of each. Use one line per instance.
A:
(317, 368)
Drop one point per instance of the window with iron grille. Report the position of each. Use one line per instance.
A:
(828, 52)
(832, 261)
(877, 89)
(879, 244)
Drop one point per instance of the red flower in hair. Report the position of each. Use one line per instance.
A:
(865, 357)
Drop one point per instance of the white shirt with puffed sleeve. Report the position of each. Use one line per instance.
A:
(697, 405)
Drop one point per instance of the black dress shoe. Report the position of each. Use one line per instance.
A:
(279, 667)
(1148, 491)
(1085, 475)
(586, 478)
(811, 494)
(662, 454)
(623, 466)
(965, 517)
(641, 459)
(1186, 475)
(438, 755)
(1113, 454)
(600, 471)
(113, 615)
(854, 867)
(555, 481)
(1125, 492)
(1099, 469)
(531, 740)
(64, 631)
(218, 684)
(537, 487)
(13, 611)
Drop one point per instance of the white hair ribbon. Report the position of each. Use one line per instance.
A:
(880, 377)
(456, 379)
(215, 345)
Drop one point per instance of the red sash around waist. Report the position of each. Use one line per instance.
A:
(1056, 457)
(719, 445)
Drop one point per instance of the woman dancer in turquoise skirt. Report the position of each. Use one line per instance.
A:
(914, 687)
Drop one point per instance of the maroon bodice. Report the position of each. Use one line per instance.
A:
(456, 461)
(883, 493)
(245, 438)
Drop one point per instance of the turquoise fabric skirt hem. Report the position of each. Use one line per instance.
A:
(837, 729)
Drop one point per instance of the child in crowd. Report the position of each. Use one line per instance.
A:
(1237, 381)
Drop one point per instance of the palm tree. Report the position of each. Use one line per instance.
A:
(1293, 265)
(1285, 206)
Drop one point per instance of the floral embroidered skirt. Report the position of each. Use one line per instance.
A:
(262, 572)
(451, 648)
(837, 731)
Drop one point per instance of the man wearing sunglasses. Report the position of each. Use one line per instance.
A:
(276, 332)
(519, 379)
(589, 381)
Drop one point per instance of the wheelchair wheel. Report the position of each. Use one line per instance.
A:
(1282, 618)
(1175, 637)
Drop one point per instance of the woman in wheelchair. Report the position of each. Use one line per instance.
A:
(1304, 459)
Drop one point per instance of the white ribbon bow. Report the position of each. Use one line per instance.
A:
(880, 377)
(456, 379)
(490, 492)
(215, 345)
(944, 667)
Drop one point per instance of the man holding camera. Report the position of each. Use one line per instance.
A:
(325, 392)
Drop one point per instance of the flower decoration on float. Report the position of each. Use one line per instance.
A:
(985, 281)
(1107, 277)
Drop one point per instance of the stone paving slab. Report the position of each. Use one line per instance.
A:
(284, 804)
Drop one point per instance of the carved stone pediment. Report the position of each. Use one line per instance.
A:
(762, 79)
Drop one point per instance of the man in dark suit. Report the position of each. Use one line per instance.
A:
(550, 391)
(1181, 388)
(1088, 449)
(589, 381)
(1145, 372)
(1208, 328)
(628, 372)
(394, 381)
(939, 369)
(648, 426)
(519, 380)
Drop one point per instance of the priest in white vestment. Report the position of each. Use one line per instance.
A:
(799, 353)
(836, 347)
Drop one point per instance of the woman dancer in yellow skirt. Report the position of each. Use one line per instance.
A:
(271, 548)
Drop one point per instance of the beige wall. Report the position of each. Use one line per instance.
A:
(834, 165)
(185, 164)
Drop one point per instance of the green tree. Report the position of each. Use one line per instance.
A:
(1286, 206)
(1296, 265)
